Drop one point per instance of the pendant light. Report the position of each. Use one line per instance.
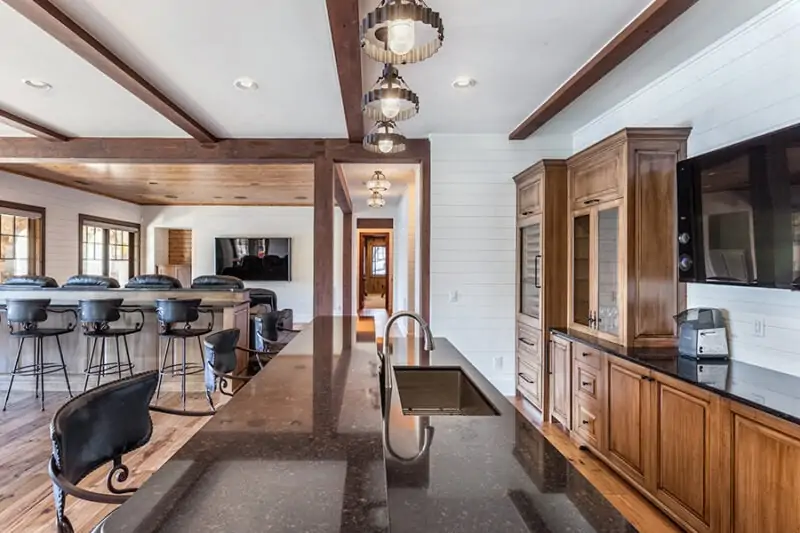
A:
(379, 182)
(390, 98)
(376, 200)
(401, 32)
(385, 138)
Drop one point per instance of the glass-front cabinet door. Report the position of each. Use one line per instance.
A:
(530, 270)
(581, 269)
(606, 316)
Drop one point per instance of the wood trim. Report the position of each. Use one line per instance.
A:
(657, 16)
(28, 126)
(41, 238)
(375, 223)
(341, 192)
(344, 21)
(55, 22)
(323, 237)
(347, 264)
(136, 258)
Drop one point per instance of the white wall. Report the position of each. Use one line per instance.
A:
(745, 84)
(61, 219)
(208, 222)
(473, 237)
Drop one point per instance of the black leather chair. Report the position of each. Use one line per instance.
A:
(217, 282)
(91, 282)
(97, 317)
(24, 319)
(264, 297)
(153, 281)
(220, 348)
(175, 318)
(39, 282)
(273, 334)
(99, 427)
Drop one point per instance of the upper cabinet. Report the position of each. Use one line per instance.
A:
(623, 286)
(530, 196)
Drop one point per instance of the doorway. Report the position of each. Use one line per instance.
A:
(375, 270)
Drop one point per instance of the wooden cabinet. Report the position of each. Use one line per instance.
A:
(541, 274)
(561, 380)
(629, 419)
(623, 284)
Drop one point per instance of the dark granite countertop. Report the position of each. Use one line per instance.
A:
(768, 390)
(300, 449)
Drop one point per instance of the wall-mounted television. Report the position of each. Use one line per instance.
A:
(255, 258)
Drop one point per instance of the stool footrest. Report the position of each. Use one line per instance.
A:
(36, 370)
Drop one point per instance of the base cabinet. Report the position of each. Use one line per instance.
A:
(561, 381)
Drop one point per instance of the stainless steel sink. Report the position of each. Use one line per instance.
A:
(440, 391)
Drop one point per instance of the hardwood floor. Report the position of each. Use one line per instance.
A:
(644, 516)
(26, 497)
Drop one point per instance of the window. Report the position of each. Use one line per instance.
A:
(379, 260)
(109, 248)
(21, 240)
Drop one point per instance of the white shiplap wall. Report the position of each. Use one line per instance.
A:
(473, 204)
(745, 84)
(61, 223)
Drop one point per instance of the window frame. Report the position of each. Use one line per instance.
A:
(375, 261)
(135, 244)
(36, 256)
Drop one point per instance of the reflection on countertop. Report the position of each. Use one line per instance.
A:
(300, 448)
(768, 390)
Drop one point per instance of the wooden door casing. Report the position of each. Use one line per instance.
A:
(629, 425)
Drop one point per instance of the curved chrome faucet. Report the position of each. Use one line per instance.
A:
(384, 355)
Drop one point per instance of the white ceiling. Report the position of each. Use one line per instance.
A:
(519, 51)
(356, 176)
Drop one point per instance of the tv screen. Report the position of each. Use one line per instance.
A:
(255, 258)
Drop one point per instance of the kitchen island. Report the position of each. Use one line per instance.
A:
(301, 448)
(230, 308)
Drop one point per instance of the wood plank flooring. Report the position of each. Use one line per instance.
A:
(26, 497)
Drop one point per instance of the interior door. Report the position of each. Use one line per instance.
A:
(530, 272)
(607, 271)
(581, 260)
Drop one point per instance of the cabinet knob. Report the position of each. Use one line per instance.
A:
(645, 377)
(585, 354)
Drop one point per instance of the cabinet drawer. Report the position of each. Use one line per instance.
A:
(528, 383)
(587, 382)
(529, 342)
(530, 198)
(587, 356)
(586, 420)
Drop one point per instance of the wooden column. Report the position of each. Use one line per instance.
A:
(323, 237)
(347, 264)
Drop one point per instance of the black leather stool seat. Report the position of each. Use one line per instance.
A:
(40, 332)
(187, 333)
(112, 332)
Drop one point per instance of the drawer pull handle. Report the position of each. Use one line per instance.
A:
(585, 422)
(526, 213)
(590, 202)
(585, 354)
(585, 383)
(524, 376)
(525, 341)
(645, 377)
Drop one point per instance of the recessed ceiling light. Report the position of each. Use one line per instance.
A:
(170, 196)
(152, 183)
(301, 197)
(254, 184)
(245, 84)
(464, 82)
(37, 84)
(241, 197)
(81, 182)
(218, 198)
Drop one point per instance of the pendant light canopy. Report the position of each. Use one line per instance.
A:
(376, 200)
(385, 138)
(379, 182)
(402, 32)
(390, 98)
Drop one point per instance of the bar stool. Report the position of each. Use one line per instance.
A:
(24, 318)
(96, 319)
(175, 318)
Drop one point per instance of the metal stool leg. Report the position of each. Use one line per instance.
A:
(183, 376)
(163, 364)
(36, 363)
(128, 354)
(63, 365)
(90, 361)
(40, 369)
(14, 372)
(102, 370)
(119, 358)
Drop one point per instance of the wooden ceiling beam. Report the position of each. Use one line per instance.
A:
(227, 151)
(28, 126)
(344, 21)
(61, 27)
(341, 192)
(657, 16)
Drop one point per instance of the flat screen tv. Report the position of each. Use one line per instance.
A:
(255, 258)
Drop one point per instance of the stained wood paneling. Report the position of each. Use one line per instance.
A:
(323, 237)
(180, 246)
(375, 223)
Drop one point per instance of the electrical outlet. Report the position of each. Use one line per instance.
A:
(498, 363)
(453, 297)
(759, 327)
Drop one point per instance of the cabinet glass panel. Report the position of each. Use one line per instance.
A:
(530, 269)
(608, 270)
(581, 305)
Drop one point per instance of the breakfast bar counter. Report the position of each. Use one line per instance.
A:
(302, 447)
